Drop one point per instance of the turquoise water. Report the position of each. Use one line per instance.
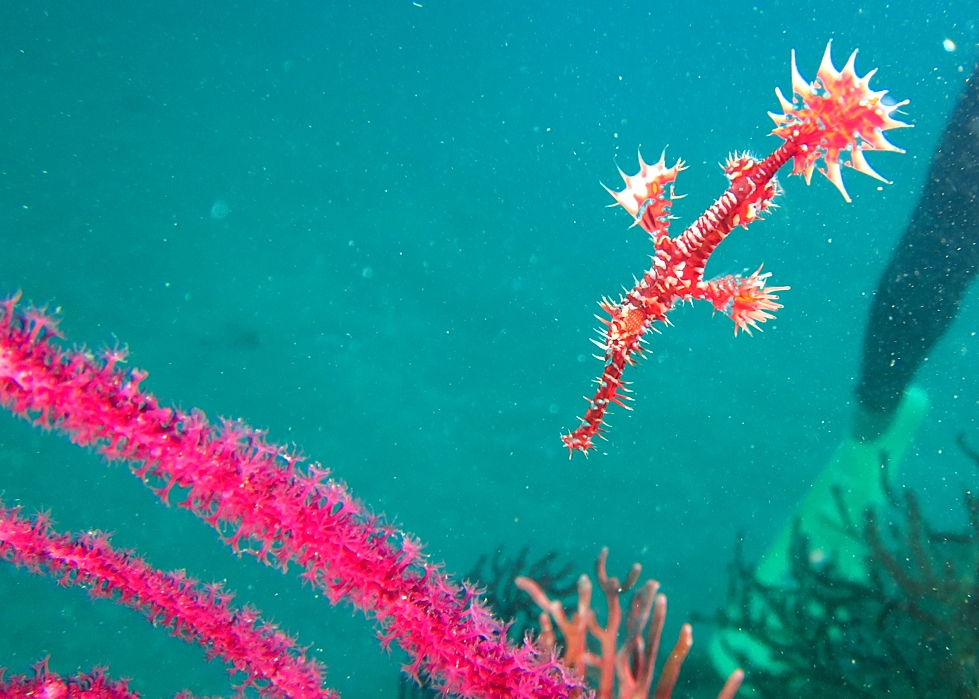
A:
(377, 230)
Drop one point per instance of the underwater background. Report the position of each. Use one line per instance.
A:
(377, 230)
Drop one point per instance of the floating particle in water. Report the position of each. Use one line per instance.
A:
(219, 209)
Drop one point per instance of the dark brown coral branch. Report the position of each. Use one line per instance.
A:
(908, 631)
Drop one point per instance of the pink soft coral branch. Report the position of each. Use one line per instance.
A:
(45, 684)
(269, 658)
(258, 498)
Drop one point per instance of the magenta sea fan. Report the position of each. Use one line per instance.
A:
(264, 501)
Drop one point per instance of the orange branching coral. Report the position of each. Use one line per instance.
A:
(630, 665)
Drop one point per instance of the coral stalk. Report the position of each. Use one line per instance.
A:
(48, 685)
(260, 500)
(269, 658)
